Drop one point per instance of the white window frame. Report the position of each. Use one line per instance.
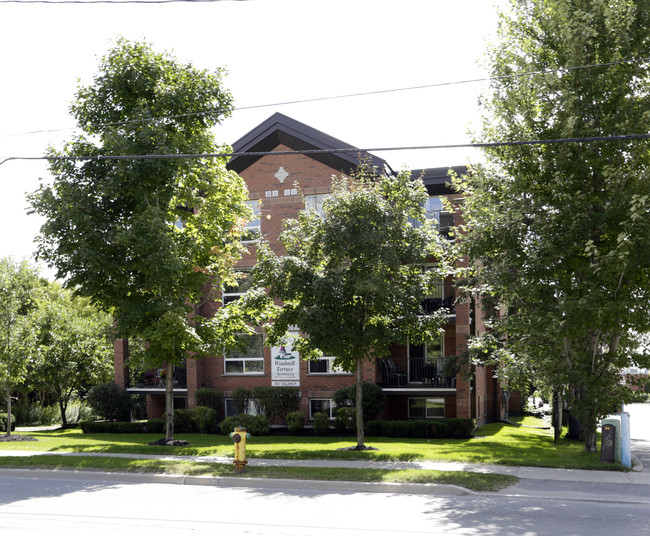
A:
(315, 203)
(317, 399)
(429, 411)
(254, 227)
(247, 361)
(330, 368)
(231, 293)
(230, 407)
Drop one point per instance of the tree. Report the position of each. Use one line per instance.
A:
(141, 232)
(19, 288)
(74, 350)
(559, 232)
(353, 280)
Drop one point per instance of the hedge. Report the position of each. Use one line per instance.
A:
(256, 425)
(201, 419)
(426, 429)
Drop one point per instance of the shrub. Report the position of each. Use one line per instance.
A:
(183, 422)
(256, 425)
(296, 422)
(113, 427)
(155, 426)
(275, 402)
(110, 402)
(321, 423)
(372, 396)
(430, 429)
(460, 428)
(345, 420)
(3, 422)
(205, 419)
(210, 398)
(241, 398)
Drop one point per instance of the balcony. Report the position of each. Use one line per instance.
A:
(417, 374)
(154, 381)
(431, 305)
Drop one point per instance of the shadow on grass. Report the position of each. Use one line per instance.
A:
(496, 443)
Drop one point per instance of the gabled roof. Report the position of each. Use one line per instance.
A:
(437, 180)
(282, 130)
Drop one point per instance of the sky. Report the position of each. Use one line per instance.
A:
(274, 51)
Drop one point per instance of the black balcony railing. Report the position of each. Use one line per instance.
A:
(155, 379)
(417, 373)
(431, 305)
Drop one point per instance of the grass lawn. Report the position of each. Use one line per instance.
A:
(495, 443)
(468, 480)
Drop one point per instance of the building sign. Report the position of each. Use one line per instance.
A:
(285, 366)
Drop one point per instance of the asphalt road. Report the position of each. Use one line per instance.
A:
(31, 506)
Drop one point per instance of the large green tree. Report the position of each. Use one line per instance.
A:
(73, 346)
(140, 231)
(20, 286)
(354, 278)
(560, 232)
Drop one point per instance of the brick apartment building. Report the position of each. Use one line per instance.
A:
(419, 381)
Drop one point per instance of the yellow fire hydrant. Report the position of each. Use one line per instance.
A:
(239, 436)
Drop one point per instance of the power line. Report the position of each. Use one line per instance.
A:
(331, 97)
(114, 1)
(479, 145)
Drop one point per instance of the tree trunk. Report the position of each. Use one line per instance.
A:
(169, 402)
(359, 407)
(62, 408)
(8, 409)
(557, 415)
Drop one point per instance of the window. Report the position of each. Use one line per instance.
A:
(426, 408)
(248, 358)
(320, 405)
(232, 409)
(325, 365)
(253, 229)
(231, 293)
(315, 203)
(435, 211)
(426, 363)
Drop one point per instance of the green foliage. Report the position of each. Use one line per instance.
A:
(156, 426)
(321, 423)
(74, 346)
(210, 398)
(256, 425)
(241, 397)
(345, 420)
(3, 422)
(426, 429)
(275, 402)
(116, 427)
(19, 290)
(145, 237)
(560, 231)
(205, 419)
(356, 272)
(296, 422)
(373, 399)
(110, 402)
(183, 422)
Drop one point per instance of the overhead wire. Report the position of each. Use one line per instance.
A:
(332, 97)
(476, 145)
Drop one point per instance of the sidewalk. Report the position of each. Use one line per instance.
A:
(538, 482)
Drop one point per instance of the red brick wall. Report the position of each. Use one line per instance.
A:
(121, 353)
